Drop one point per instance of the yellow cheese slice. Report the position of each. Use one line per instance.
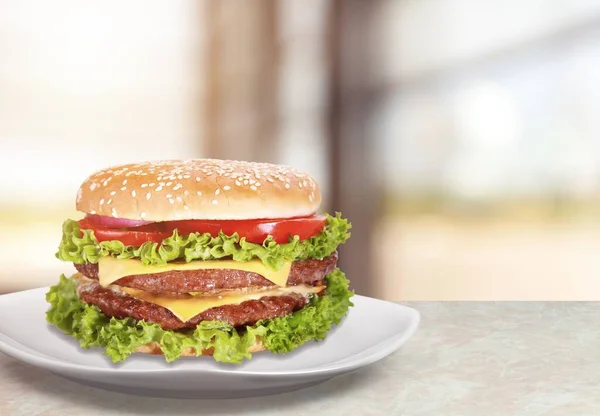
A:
(111, 269)
(186, 307)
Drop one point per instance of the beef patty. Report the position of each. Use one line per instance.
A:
(309, 272)
(120, 305)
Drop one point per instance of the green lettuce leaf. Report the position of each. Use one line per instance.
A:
(80, 246)
(120, 337)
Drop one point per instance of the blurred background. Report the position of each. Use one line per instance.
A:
(461, 137)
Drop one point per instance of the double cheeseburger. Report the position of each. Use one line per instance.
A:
(200, 257)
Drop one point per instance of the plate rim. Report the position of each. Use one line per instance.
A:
(380, 350)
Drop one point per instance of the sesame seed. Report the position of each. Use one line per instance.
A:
(158, 188)
(148, 195)
(169, 183)
(144, 185)
(226, 188)
(93, 186)
(102, 201)
(186, 193)
(123, 188)
(152, 184)
(113, 212)
(92, 211)
(254, 188)
(185, 207)
(198, 178)
(125, 182)
(179, 199)
(199, 193)
(172, 201)
(257, 184)
(142, 214)
(109, 202)
(169, 196)
(245, 181)
(113, 193)
(271, 180)
(218, 191)
(178, 186)
(133, 193)
(238, 183)
(287, 185)
(215, 202)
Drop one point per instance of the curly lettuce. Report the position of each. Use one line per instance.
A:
(80, 246)
(121, 337)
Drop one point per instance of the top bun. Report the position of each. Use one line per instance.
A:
(207, 189)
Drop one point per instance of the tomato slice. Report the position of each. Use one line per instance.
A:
(129, 237)
(255, 231)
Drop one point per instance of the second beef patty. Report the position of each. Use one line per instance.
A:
(120, 305)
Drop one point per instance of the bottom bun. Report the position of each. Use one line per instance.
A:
(154, 349)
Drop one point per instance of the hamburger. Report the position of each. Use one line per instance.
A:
(200, 257)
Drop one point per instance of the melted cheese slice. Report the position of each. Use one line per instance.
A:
(186, 307)
(111, 269)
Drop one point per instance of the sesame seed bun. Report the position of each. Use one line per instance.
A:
(208, 189)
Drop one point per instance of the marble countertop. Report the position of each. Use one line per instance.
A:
(466, 359)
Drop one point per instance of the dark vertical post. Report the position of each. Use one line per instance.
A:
(242, 80)
(353, 188)
(212, 139)
(268, 86)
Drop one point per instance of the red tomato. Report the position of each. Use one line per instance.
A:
(255, 231)
(130, 237)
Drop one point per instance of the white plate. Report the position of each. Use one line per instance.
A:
(372, 330)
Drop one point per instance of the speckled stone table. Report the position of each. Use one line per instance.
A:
(481, 359)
